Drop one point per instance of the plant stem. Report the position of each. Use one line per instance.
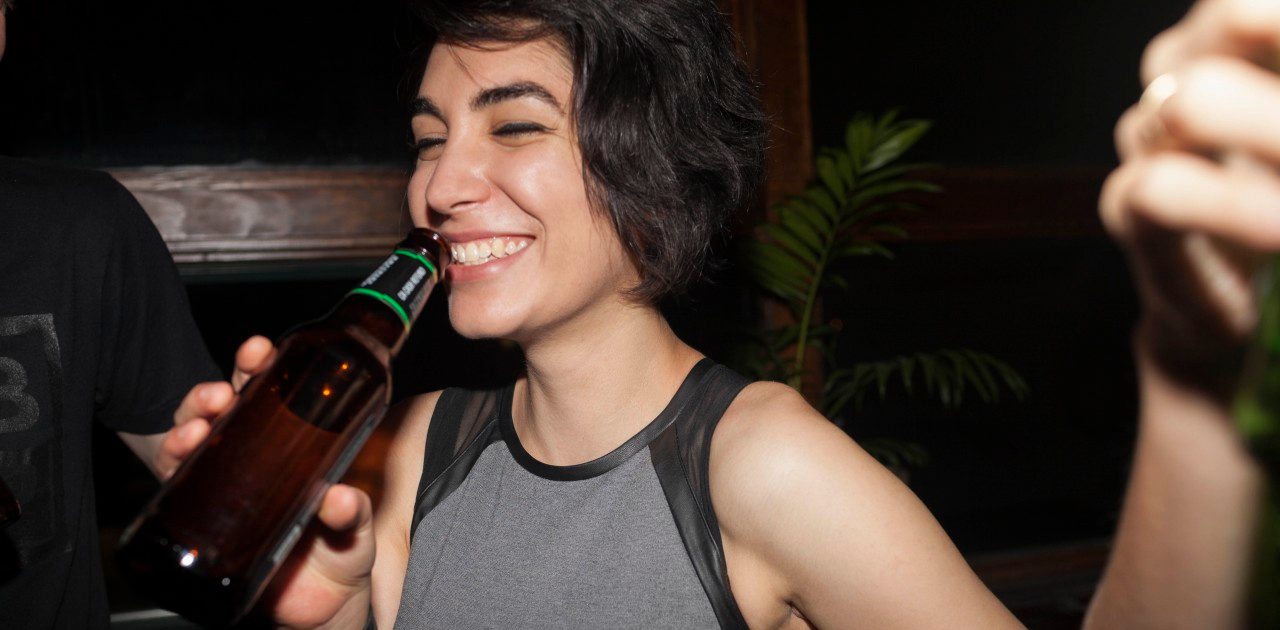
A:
(797, 376)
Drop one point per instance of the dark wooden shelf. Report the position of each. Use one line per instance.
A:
(235, 220)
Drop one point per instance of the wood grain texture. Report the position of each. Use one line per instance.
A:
(774, 39)
(245, 215)
(228, 214)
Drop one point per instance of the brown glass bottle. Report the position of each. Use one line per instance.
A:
(208, 543)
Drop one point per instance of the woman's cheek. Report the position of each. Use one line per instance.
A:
(417, 194)
(542, 172)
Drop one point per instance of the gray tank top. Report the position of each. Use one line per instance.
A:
(502, 540)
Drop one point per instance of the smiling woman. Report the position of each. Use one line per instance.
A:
(581, 156)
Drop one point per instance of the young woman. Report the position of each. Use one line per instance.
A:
(580, 156)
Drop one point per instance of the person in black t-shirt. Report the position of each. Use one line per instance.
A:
(94, 324)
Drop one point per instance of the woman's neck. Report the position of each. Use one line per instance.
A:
(590, 389)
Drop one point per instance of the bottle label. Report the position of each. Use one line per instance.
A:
(400, 282)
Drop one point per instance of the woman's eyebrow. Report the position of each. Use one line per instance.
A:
(511, 91)
(423, 106)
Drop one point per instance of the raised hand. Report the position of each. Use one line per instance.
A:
(1196, 204)
(1196, 200)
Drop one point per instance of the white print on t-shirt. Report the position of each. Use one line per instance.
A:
(19, 410)
(31, 447)
(13, 386)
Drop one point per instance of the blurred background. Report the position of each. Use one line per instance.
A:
(268, 141)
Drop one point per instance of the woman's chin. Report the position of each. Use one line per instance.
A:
(482, 325)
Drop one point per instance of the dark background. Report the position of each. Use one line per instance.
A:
(154, 82)
(1009, 83)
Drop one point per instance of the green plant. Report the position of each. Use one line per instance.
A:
(794, 258)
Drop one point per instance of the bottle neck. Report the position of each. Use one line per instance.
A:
(372, 320)
(383, 307)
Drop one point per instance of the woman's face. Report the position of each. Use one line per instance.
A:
(500, 175)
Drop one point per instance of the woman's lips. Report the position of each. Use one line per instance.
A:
(486, 249)
(462, 272)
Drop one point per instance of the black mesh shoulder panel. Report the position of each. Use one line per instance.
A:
(463, 424)
(681, 457)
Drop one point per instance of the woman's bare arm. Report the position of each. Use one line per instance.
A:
(836, 535)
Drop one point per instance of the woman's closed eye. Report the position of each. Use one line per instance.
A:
(518, 130)
(428, 148)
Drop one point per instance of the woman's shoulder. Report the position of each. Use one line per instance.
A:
(767, 429)
(416, 408)
(772, 450)
(770, 415)
(419, 409)
(455, 409)
(406, 425)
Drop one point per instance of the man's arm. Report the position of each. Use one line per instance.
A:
(1181, 557)
(162, 452)
(146, 447)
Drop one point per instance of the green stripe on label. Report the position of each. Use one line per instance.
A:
(418, 257)
(385, 299)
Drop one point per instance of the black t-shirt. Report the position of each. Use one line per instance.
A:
(94, 324)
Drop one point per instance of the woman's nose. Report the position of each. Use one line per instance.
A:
(458, 180)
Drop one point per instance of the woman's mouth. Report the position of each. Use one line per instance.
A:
(486, 250)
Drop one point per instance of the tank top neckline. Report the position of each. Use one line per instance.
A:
(612, 459)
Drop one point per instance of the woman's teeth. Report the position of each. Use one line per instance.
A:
(483, 251)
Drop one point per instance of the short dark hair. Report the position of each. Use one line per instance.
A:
(668, 118)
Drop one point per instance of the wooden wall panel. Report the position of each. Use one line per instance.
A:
(214, 217)
(774, 38)
(211, 216)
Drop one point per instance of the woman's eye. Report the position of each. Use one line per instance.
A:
(428, 148)
(518, 129)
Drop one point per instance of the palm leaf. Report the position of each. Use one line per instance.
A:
(844, 213)
(946, 375)
(903, 136)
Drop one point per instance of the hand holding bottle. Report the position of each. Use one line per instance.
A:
(206, 401)
(330, 566)
(248, 466)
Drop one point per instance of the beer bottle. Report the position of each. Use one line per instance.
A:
(211, 539)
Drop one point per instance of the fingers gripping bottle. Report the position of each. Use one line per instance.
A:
(216, 532)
